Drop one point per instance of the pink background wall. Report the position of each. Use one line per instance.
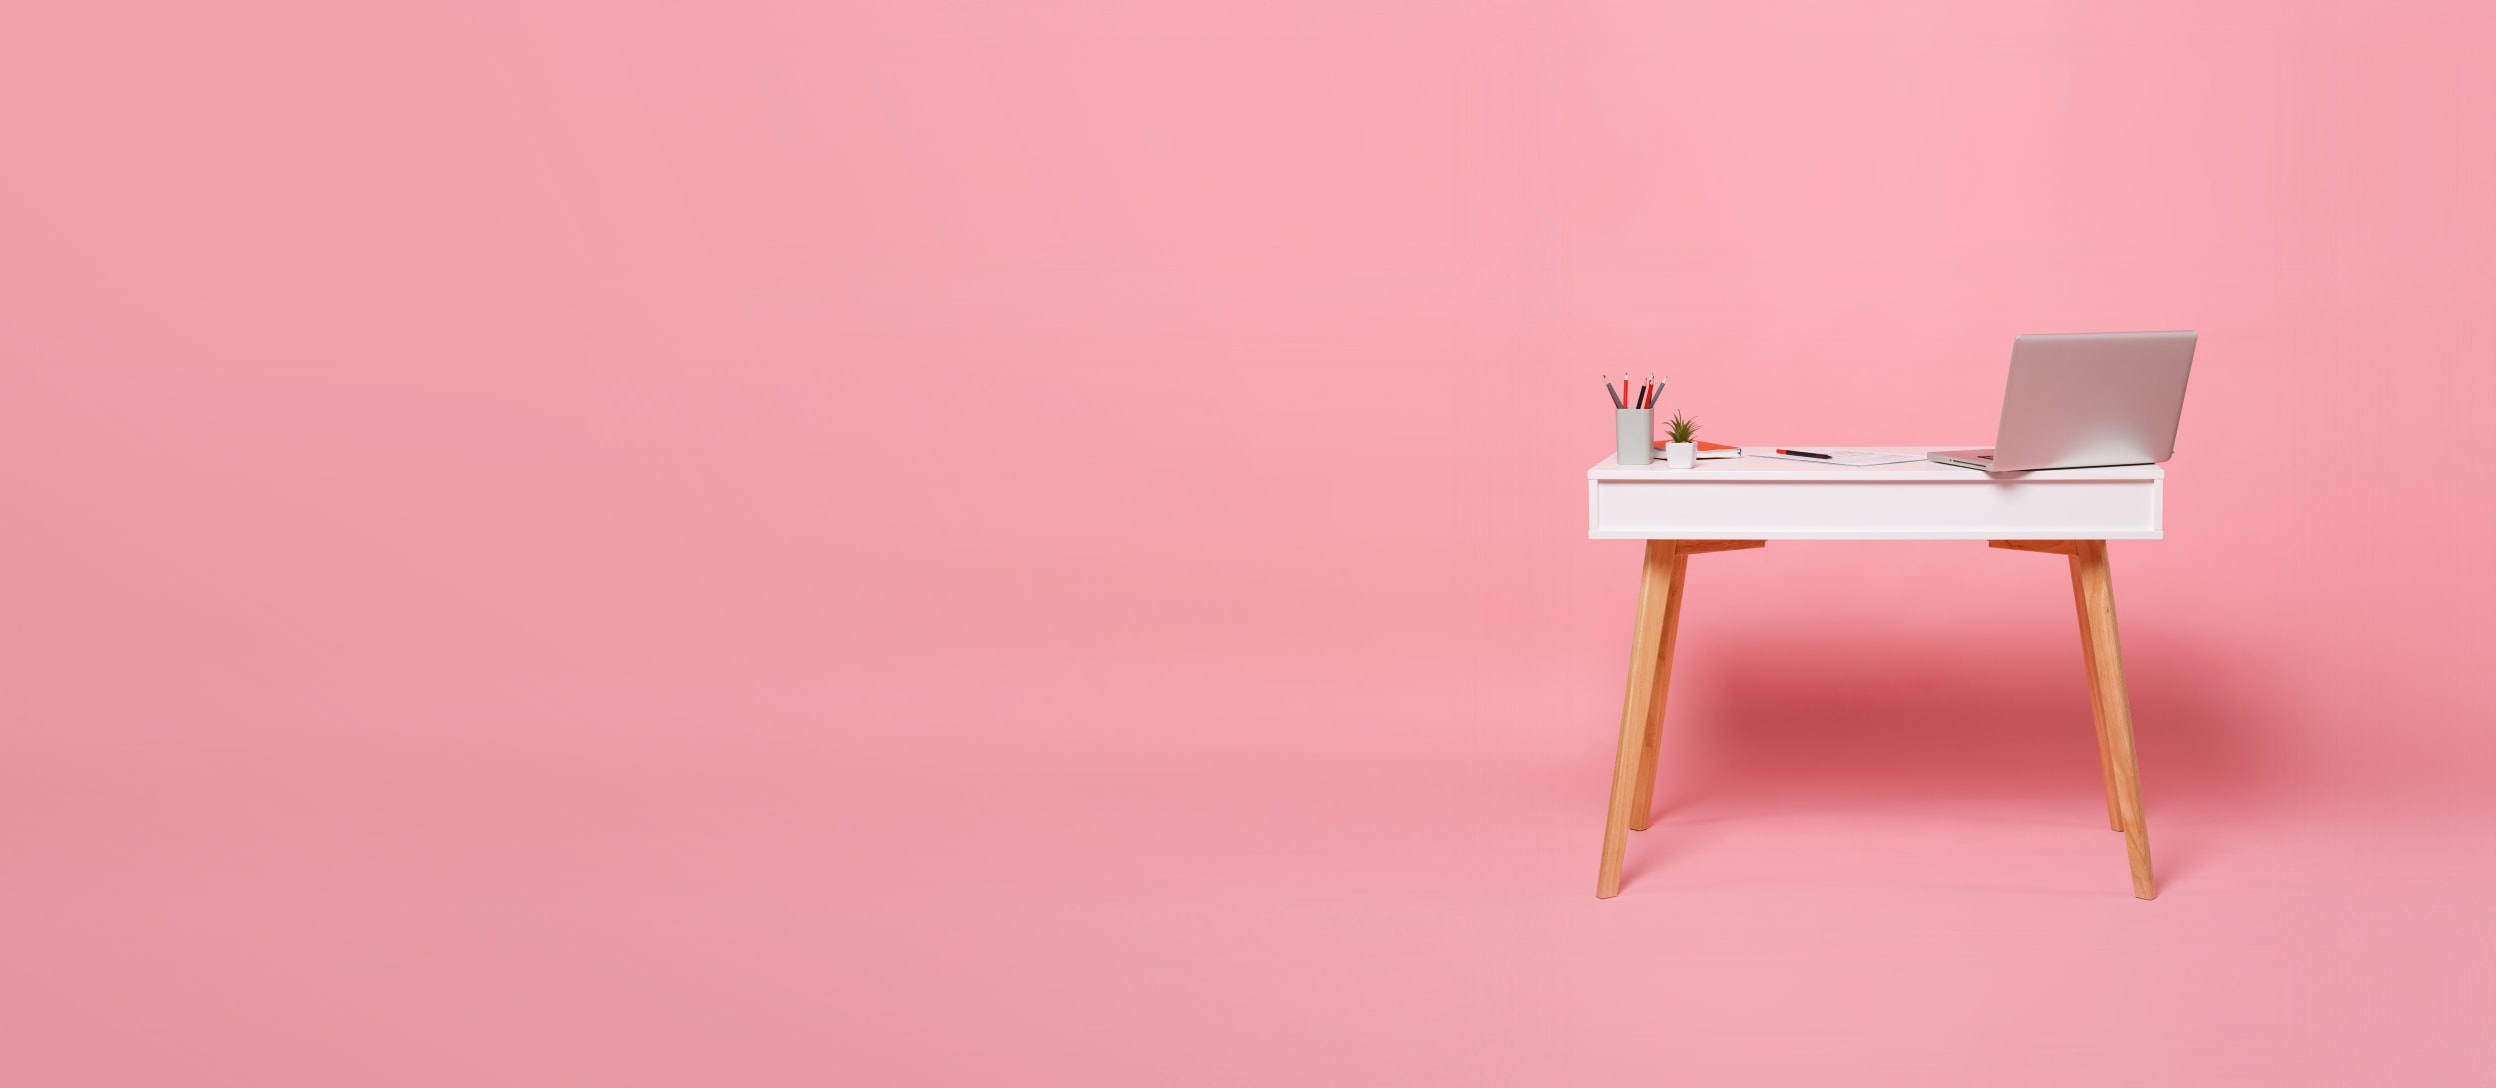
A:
(612, 543)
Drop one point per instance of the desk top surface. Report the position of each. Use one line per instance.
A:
(1751, 468)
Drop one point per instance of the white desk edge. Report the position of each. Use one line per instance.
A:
(2019, 495)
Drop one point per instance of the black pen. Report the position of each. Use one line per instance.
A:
(1804, 453)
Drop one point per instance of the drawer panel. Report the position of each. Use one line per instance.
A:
(1720, 508)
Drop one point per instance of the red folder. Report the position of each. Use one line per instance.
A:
(1710, 449)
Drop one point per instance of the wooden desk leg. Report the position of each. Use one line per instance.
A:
(1642, 806)
(1655, 591)
(2097, 699)
(1642, 706)
(2097, 590)
(2093, 592)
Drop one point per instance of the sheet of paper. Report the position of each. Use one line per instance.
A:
(1849, 458)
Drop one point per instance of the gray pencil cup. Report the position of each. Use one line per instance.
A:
(1635, 430)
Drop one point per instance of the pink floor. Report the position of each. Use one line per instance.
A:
(767, 878)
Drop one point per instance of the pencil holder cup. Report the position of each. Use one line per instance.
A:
(1634, 428)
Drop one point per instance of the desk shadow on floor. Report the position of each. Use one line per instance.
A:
(1991, 733)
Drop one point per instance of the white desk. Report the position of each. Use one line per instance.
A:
(1745, 502)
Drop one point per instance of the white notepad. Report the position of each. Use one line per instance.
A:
(1849, 458)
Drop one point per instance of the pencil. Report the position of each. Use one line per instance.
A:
(1607, 391)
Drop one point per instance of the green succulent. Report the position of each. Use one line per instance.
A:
(1681, 428)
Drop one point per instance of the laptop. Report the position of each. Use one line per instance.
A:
(2081, 400)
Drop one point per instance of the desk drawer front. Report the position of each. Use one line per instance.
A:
(1720, 509)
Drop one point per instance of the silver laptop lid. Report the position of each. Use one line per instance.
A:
(2101, 398)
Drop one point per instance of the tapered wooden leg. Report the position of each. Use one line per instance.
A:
(2097, 590)
(1655, 591)
(2097, 701)
(1642, 705)
(1641, 807)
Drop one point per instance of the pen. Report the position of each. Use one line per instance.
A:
(1804, 453)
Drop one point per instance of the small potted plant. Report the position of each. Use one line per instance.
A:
(1682, 451)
